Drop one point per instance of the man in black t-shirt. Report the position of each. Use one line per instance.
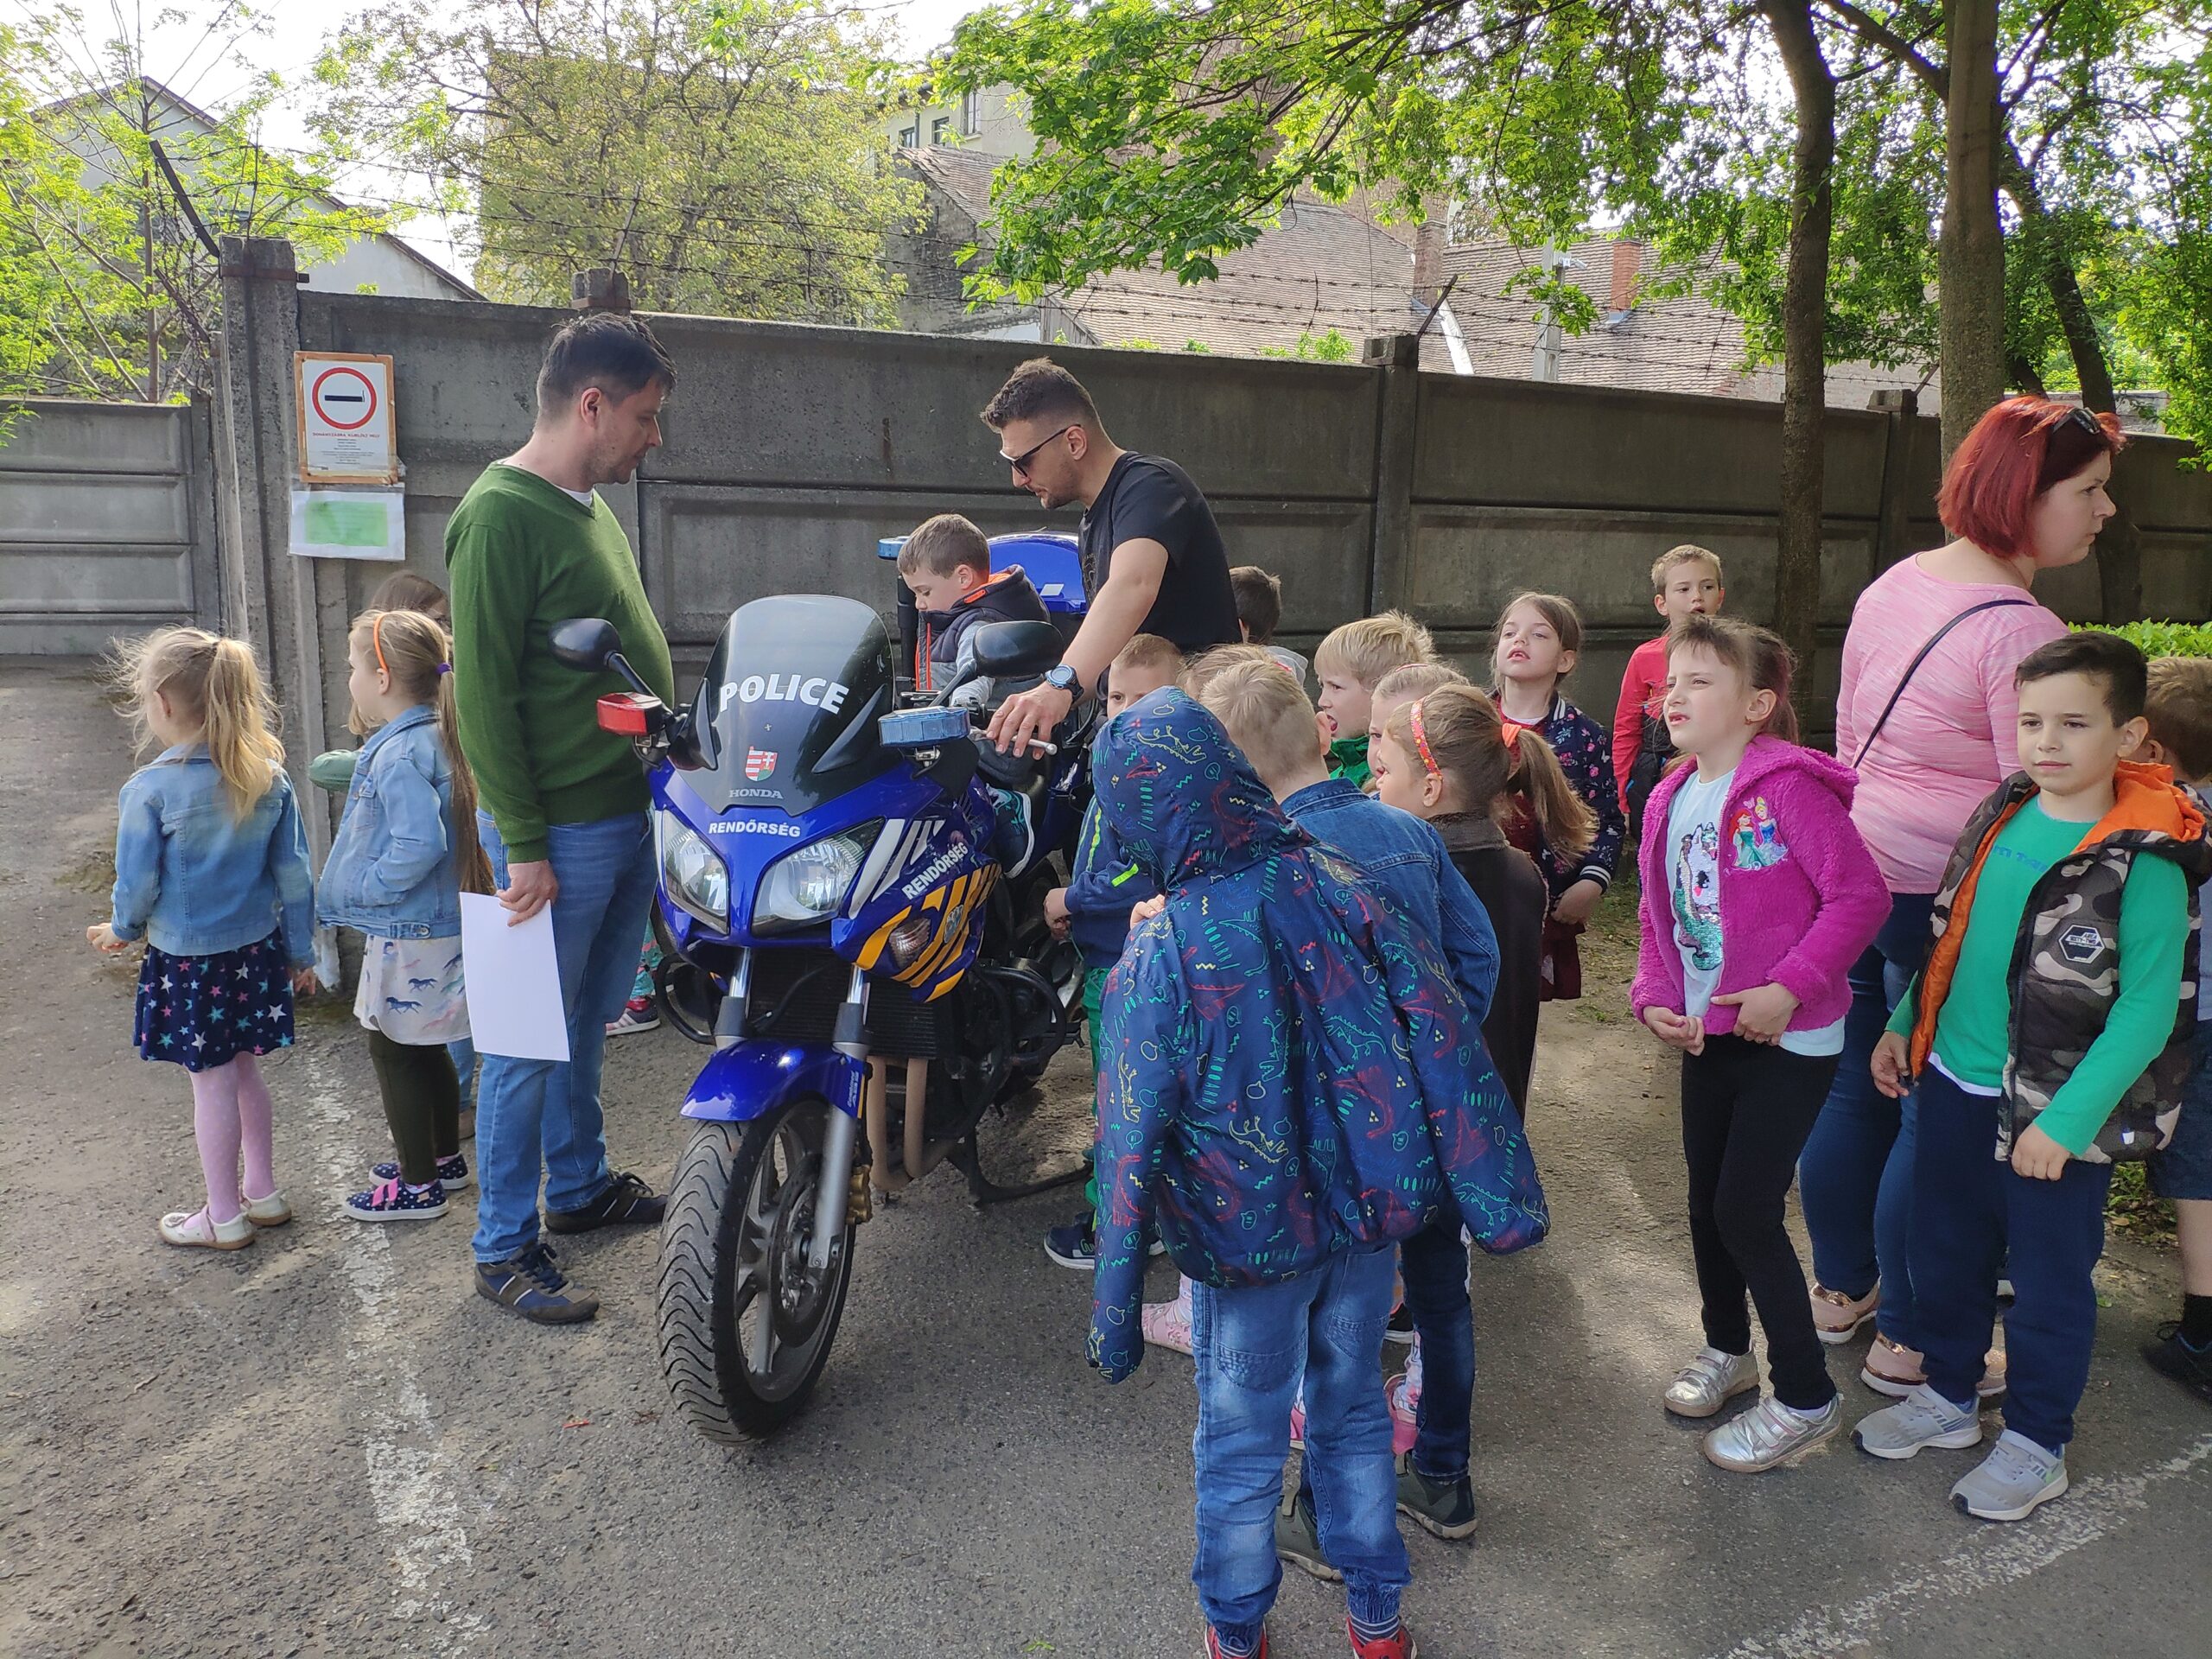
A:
(1152, 552)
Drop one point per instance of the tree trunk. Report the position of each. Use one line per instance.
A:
(2120, 549)
(1804, 337)
(1970, 260)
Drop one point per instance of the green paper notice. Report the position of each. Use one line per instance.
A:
(337, 522)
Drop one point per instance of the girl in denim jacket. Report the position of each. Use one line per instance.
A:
(210, 871)
(405, 847)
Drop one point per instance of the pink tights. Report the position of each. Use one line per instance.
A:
(229, 1115)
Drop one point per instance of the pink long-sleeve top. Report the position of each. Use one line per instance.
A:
(1953, 737)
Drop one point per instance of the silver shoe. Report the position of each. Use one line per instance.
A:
(1770, 1434)
(1923, 1418)
(2016, 1477)
(1710, 1382)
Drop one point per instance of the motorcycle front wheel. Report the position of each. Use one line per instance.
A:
(745, 1325)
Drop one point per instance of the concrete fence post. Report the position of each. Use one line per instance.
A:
(1397, 393)
(598, 289)
(269, 597)
(1893, 529)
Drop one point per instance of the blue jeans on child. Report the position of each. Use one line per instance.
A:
(1252, 1346)
(1854, 1176)
(1968, 1209)
(534, 1115)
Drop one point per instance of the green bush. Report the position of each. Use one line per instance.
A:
(2167, 638)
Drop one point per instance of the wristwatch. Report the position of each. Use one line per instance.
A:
(1061, 678)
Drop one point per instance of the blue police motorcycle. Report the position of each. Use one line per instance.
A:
(837, 926)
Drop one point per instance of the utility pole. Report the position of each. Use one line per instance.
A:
(1544, 361)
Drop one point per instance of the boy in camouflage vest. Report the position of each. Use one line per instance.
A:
(2048, 1034)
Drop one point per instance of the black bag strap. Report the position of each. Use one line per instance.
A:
(1913, 667)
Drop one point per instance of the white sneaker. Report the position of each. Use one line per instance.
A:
(194, 1229)
(1924, 1418)
(1771, 1434)
(2016, 1478)
(1710, 1382)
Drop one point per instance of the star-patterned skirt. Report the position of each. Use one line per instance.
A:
(203, 1012)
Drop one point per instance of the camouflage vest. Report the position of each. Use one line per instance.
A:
(2066, 973)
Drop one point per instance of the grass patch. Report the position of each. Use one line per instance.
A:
(2136, 1209)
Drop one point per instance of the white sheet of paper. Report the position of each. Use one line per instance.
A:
(513, 982)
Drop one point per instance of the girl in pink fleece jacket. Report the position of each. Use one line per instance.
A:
(1759, 894)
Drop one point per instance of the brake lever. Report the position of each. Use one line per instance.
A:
(1034, 745)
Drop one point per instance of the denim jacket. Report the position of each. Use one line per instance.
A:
(1407, 861)
(192, 882)
(391, 872)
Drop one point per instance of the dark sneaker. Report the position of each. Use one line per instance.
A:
(533, 1287)
(2191, 1367)
(394, 1200)
(626, 1201)
(1298, 1540)
(1075, 1245)
(452, 1175)
(1445, 1508)
(1400, 1328)
(638, 1014)
(1398, 1644)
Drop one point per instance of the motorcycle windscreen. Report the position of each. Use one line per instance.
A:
(789, 708)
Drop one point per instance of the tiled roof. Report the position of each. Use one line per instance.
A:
(1679, 344)
(1321, 267)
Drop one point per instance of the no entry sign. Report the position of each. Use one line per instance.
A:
(345, 428)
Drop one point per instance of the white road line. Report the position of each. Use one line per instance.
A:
(1998, 1556)
(409, 1491)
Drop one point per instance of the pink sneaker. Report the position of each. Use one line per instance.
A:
(1167, 1324)
(1403, 1402)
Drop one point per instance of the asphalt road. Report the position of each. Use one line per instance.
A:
(327, 1445)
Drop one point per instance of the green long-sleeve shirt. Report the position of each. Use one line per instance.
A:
(1973, 1026)
(523, 555)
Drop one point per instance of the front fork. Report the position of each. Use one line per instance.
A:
(834, 1187)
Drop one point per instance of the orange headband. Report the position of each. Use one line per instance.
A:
(375, 639)
(1420, 741)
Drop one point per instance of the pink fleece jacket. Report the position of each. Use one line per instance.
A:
(1800, 895)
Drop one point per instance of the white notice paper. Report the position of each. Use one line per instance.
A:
(513, 982)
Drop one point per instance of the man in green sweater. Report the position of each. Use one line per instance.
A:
(564, 817)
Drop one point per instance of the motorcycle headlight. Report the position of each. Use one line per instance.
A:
(809, 883)
(692, 872)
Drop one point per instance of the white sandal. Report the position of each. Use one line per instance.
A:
(271, 1211)
(196, 1230)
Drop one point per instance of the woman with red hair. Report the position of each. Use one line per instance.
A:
(1926, 715)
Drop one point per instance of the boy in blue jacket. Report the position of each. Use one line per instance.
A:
(1094, 907)
(1291, 1085)
(1405, 859)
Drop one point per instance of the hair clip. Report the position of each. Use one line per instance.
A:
(1420, 741)
(445, 667)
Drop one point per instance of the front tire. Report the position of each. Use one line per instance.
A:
(745, 1328)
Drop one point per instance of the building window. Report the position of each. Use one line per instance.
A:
(971, 114)
(940, 129)
(909, 137)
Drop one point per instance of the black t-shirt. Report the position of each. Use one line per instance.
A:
(1148, 498)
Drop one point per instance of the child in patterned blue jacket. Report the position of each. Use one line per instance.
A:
(1290, 1084)
(405, 848)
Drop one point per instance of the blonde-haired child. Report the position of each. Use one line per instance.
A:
(1349, 664)
(405, 850)
(210, 871)
(1685, 581)
(1538, 639)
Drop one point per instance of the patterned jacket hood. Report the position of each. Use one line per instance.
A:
(1286, 1069)
(2065, 965)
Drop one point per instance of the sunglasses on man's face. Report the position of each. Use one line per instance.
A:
(1021, 462)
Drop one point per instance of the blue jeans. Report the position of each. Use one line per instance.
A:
(1252, 1346)
(1971, 1216)
(1854, 1176)
(462, 1052)
(534, 1115)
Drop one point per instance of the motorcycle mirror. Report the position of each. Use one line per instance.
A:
(1011, 650)
(589, 642)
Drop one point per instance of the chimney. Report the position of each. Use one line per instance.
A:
(1628, 265)
(1429, 259)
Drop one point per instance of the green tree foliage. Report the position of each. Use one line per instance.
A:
(723, 153)
(105, 290)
